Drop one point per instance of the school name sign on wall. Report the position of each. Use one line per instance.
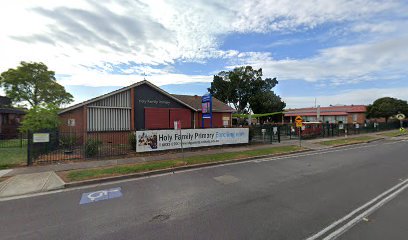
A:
(157, 140)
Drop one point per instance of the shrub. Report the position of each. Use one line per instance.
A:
(40, 117)
(132, 141)
(92, 147)
(68, 141)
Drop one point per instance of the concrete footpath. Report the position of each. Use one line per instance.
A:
(34, 179)
(30, 183)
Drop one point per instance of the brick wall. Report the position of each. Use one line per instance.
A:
(361, 117)
(217, 120)
(113, 137)
(80, 122)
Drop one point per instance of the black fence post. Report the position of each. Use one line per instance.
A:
(278, 133)
(290, 131)
(29, 145)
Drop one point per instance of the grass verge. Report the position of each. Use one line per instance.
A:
(392, 134)
(12, 157)
(13, 143)
(345, 141)
(80, 175)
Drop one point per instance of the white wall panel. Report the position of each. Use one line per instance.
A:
(110, 114)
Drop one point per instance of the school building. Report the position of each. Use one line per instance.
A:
(141, 106)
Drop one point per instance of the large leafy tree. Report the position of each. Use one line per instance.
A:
(244, 88)
(266, 102)
(386, 107)
(33, 83)
(41, 117)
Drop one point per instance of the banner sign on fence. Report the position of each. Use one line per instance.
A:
(157, 140)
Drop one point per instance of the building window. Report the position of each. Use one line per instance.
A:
(342, 119)
(5, 119)
(355, 117)
(310, 119)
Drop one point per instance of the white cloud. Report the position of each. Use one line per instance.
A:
(360, 96)
(90, 33)
(264, 15)
(345, 64)
(382, 27)
(99, 78)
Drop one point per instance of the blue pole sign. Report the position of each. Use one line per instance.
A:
(206, 109)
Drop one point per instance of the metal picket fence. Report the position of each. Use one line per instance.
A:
(54, 146)
(270, 133)
(15, 140)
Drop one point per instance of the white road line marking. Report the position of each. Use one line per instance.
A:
(334, 224)
(357, 219)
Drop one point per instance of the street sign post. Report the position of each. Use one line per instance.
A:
(401, 117)
(177, 126)
(299, 122)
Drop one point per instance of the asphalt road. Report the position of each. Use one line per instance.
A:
(280, 198)
(389, 222)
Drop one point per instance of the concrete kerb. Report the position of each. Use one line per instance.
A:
(175, 169)
(364, 142)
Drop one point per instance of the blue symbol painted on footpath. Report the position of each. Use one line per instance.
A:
(101, 195)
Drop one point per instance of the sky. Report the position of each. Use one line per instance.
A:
(323, 52)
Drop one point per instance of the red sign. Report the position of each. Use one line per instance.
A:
(177, 124)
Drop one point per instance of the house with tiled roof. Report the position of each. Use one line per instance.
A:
(10, 118)
(331, 114)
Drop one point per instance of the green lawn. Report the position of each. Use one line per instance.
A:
(78, 175)
(345, 141)
(391, 134)
(11, 157)
(13, 143)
